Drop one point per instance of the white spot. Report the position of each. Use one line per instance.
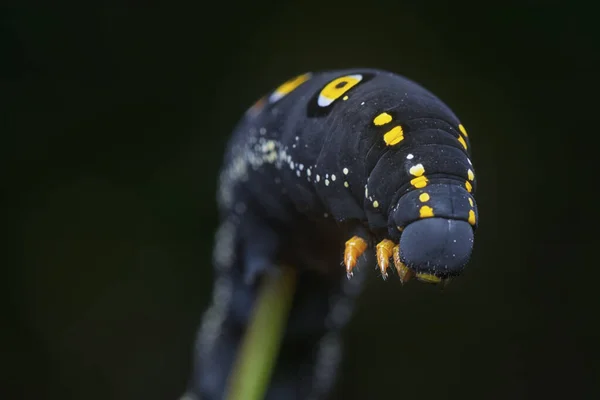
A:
(469, 161)
(366, 191)
(409, 157)
(298, 172)
(308, 172)
(345, 171)
(263, 131)
(326, 182)
(326, 215)
(362, 104)
(297, 138)
(318, 178)
(301, 166)
(326, 175)
(332, 177)
(291, 165)
(346, 184)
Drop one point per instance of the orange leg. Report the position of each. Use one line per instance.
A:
(404, 272)
(384, 252)
(355, 247)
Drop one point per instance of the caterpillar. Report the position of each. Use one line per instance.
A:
(330, 171)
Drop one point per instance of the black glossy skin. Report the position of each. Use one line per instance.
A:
(275, 211)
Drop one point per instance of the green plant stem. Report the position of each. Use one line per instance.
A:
(253, 367)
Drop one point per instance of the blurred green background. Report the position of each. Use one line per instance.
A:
(115, 120)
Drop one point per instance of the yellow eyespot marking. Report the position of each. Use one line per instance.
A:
(462, 141)
(468, 186)
(419, 182)
(471, 201)
(288, 86)
(429, 278)
(470, 174)
(425, 212)
(417, 170)
(382, 119)
(345, 98)
(375, 204)
(462, 130)
(423, 197)
(472, 217)
(336, 89)
(394, 136)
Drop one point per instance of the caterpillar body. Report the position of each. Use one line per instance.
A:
(329, 171)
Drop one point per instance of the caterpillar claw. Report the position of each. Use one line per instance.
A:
(404, 272)
(355, 247)
(384, 253)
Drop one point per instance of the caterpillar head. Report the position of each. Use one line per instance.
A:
(436, 247)
(436, 226)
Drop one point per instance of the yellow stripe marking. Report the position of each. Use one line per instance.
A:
(394, 136)
(382, 119)
(429, 278)
(472, 217)
(419, 182)
(426, 212)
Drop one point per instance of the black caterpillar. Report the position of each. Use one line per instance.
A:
(326, 168)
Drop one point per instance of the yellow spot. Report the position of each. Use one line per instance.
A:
(394, 136)
(345, 98)
(468, 186)
(419, 182)
(426, 212)
(472, 217)
(382, 119)
(417, 170)
(400, 229)
(337, 88)
(424, 197)
(428, 278)
(289, 86)
(346, 185)
(471, 201)
(462, 141)
(462, 130)
(375, 204)
(471, 175)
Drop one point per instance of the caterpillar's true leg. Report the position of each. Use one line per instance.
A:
(384, 253)
(355, 247)
(404, 272)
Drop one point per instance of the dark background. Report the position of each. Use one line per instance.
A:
(114, 123)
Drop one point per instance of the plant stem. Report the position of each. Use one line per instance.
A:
(258, 353)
